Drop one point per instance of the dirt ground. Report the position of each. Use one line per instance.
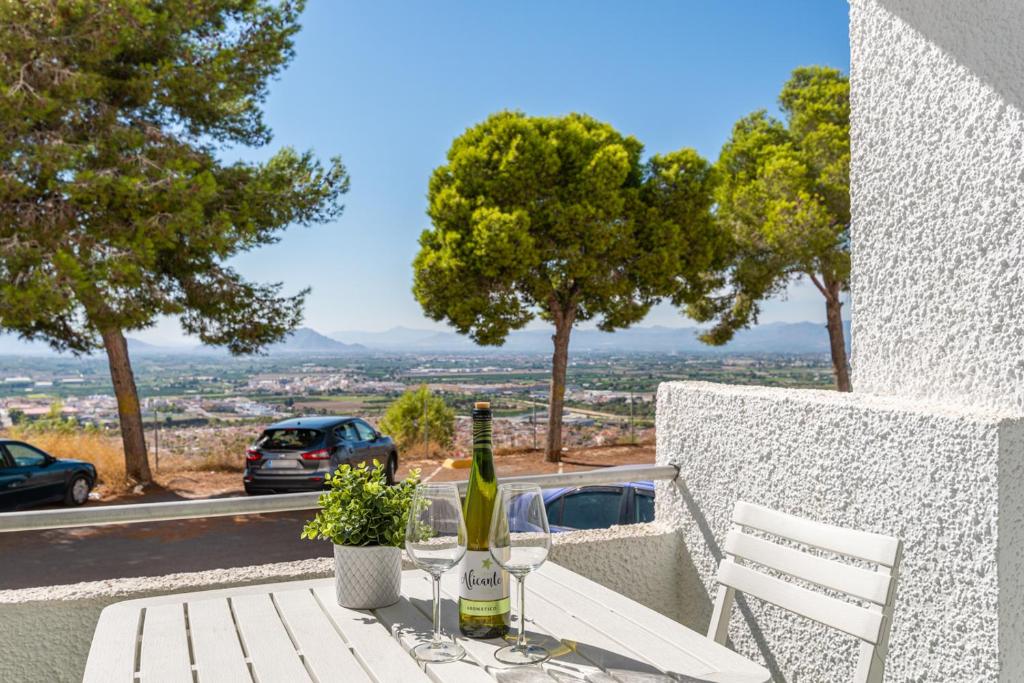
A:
(186, 485)
(215, 484)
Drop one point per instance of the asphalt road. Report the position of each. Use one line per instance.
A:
(45, 558)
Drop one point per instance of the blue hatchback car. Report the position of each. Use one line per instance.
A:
(29, 476)
(599, 507)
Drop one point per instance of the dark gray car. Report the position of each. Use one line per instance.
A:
(296, 454)
(29, 476)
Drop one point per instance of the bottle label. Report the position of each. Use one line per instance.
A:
(484, 585)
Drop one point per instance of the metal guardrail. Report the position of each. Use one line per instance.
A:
(287, 502)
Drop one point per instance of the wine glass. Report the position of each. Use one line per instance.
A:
(519, 542)
(435, 538)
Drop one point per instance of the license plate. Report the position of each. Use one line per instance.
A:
(281, 464)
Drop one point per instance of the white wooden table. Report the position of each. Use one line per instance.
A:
(295, 631)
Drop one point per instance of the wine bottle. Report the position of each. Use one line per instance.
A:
(484, 605)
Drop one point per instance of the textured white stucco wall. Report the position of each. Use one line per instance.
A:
(45, 632)
(937, 191)
(640, 561)
(949, 481)
(1010, 552)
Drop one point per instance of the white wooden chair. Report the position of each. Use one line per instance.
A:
(746, 555)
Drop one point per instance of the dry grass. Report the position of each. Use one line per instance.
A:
(215, 461)
(209, 449)
(102, 450)
(219, 453)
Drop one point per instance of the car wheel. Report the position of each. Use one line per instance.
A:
(78, 490)
(391, 468)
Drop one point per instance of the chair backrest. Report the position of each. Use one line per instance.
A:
(867, 614)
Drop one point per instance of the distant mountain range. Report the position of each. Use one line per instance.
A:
(308, 340)
(767, 338)
(302, 340)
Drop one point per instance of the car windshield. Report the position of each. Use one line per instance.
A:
(289, 439)
(591, 509)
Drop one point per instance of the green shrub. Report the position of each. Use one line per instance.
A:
(53, 421)
(404, 420)
(361, 509)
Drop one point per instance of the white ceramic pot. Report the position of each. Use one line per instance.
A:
(367, 576)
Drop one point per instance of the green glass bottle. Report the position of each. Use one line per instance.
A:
(484, 606)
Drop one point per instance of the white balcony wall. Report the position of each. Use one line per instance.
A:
(925, 472)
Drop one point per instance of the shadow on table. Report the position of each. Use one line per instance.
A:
(570, 660)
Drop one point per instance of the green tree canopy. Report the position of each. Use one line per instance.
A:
(784, 200)
(115, 207)
(417, 415)
(560, 218)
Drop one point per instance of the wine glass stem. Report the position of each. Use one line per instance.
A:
(521, 638)
(437, 609)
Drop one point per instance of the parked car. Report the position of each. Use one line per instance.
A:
(599, 507)
(29, 476)
(296, 454)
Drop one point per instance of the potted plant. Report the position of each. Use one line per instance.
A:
(365, 518)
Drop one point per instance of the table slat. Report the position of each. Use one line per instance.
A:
(326, 653)
(418, 591)
(164, 654)
(411, 627)
(661, 653)
(565, 660)
(219, 656)
(371, 642)
(573, 587)
(603, 652)
(112, 652)
(270, 650)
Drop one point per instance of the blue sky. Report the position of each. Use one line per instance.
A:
(388, 85)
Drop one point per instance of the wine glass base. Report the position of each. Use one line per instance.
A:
(445, 651)
(530, 654)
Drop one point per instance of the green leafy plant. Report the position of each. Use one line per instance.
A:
(404, 420)
(361, 509)
(54, 421)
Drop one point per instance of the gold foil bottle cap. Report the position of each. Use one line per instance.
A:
(482, 405)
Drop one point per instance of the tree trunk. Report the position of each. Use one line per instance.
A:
(136, 462)
(559, 363)
(837, 340)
